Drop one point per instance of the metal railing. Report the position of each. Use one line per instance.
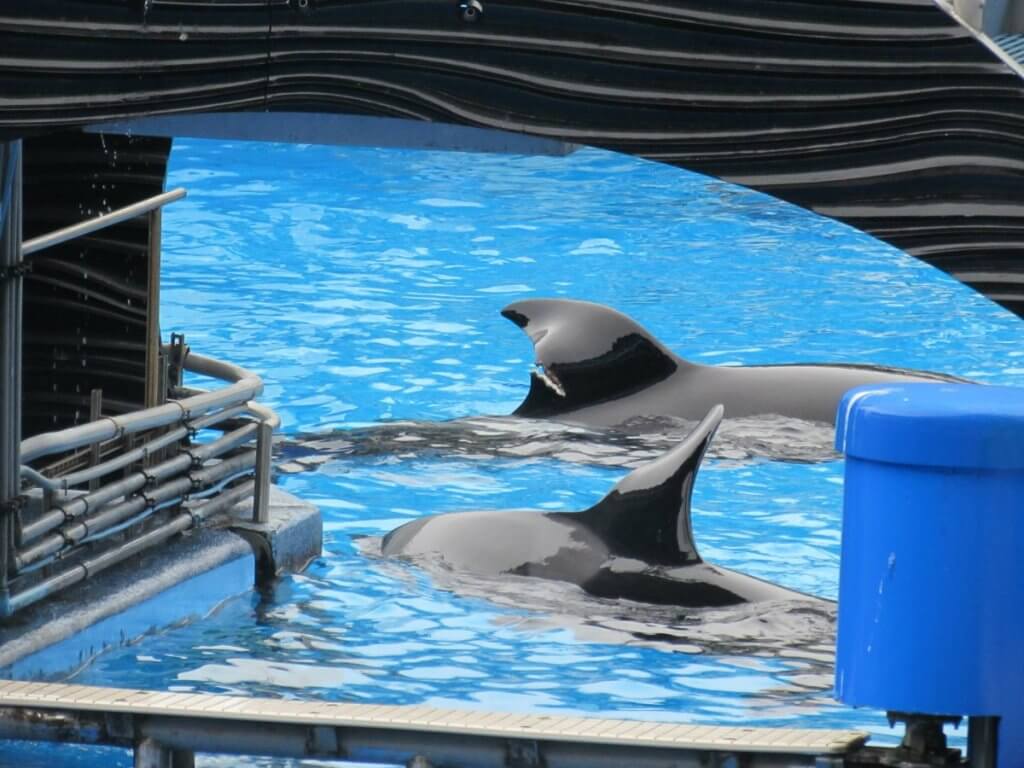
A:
(89, 226)
(104, 491)
(196, 480)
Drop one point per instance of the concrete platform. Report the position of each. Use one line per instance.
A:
(182, 581)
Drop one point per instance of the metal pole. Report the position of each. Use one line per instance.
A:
(154, 395)
(95, 411)
(101, 222)
(10, 347)
(982, 744)
(261, 501)
(152, 754)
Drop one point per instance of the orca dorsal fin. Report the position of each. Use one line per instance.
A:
(647, 514)
(586, 354)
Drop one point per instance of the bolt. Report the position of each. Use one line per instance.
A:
(470, 10)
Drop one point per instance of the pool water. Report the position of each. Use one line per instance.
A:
(365, 286)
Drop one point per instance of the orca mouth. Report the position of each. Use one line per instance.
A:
(548, 378)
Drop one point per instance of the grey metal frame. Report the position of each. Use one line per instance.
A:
(89, 226)
(158, 471)
(68, 519)
(10, 348)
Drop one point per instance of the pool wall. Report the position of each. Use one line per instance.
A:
(888, 116)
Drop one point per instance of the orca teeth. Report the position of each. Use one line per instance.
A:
(549, 379)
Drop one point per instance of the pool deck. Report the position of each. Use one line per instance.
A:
(168, 728)
(190, 576)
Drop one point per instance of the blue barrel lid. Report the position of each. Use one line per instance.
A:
(943, 425)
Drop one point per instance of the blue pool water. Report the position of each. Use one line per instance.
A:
(365, 285)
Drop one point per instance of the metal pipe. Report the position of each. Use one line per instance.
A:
(10, 345)
(40, 480)
(101, 222)
(252, 408)
(86, 568)
(156, 390)
(269, 421)
(245, 387)
(982, 741)
(175, 490)
(264, 414)
(80, 505)
(81, 571)
(215, 369)
(95, 412)
(224, 500)
(74, 532)
(261, 501)
(385, 745)
(124, 459)
(391, 746)
(212, 419)
(212, 491)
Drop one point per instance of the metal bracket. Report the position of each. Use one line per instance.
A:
(13, 506)
(120, 725)
(17, 270)
(322, 740)
(178, 352)
(523, 753)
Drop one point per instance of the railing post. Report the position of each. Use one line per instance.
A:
(95, 411)
(261, 494)
(154, 395)
(10, 350)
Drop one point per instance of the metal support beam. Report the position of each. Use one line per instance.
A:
(152, 754)
(95, 411)
(155, 395)
(89, 226)
(149, 754)
(261, 501)
(10, 347)
(155, 722)
(982, 741)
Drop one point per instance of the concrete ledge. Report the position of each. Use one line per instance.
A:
(292, 538)
(181, 581)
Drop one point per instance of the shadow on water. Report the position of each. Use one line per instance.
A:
(797, 637)
(628, 445)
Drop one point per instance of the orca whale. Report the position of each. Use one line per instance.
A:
(635, 544)
(597, 367)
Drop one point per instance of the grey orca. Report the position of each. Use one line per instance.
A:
(636, 543)
(597, 367)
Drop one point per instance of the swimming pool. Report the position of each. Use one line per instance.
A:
(365, 285)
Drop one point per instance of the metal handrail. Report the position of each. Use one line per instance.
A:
(87, 227)
(77, 518)
(203, 470)
(246, 386)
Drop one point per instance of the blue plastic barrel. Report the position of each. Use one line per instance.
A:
(931, 583)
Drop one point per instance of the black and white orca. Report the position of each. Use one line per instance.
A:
(597, 367)
(636, 543)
